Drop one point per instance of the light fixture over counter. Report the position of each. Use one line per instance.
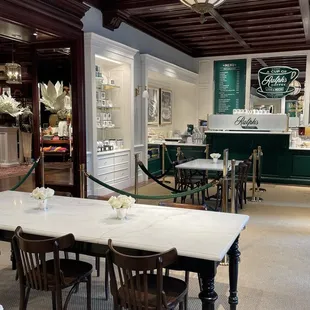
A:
(13, 72)
(202, 6)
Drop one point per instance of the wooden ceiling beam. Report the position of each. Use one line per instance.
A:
(222, 52)
(262, 62)
(305, 14)
(227, 27)
(130, 5)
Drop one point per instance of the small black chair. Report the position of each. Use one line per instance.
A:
(134, 285)
(38, 273)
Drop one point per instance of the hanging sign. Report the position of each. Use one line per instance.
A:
(274, 82)
(229, 79)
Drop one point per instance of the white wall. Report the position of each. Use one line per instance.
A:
(184, 102)
(139, 40)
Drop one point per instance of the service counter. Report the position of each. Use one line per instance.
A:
(189, 150)
(280, 164)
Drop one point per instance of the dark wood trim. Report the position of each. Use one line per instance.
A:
(36, 115)
(61, 17)
(78, 110)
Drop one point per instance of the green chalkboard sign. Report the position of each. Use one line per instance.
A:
(229, 91)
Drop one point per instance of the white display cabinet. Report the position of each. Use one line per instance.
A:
(109, 94)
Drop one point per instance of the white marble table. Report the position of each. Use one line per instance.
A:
(200, 237)
(205, 164)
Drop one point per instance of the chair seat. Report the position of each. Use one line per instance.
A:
(175, 290)
(73, 271)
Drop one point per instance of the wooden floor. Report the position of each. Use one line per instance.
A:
(52, 176)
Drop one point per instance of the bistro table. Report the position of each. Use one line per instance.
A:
(201, 238)
(206, 165)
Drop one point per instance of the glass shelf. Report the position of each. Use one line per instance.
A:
(107, 128)
(114, 108)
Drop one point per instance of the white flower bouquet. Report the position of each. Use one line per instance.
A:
(121, 204)
(215, 156)
(42, 193)
(9, 105)
(53, 96)
(121, 201)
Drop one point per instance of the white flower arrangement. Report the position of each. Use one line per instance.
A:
(121, 202)
(42, 193)
(53, 96)
(215, 155)
(9, 105)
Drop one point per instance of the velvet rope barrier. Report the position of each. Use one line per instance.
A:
(26, 176)
(143, 168)
(161, 197)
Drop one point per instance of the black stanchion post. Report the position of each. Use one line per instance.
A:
(136, 173)
(233, 186)
(254, 173)
(260, 190)
(225, 192)
(163, 168)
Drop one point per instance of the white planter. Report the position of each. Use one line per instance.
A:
(42, 204)
(215, 160)
(121, 213)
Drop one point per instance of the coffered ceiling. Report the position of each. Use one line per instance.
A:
(236, 27)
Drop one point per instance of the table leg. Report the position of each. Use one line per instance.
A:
(208, 295)
(234, 258)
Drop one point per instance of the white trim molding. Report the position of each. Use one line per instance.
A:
(170, 70)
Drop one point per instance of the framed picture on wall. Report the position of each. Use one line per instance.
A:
(165, 106)
(153, 106)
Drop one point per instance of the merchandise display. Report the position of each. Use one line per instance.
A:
(106, 89)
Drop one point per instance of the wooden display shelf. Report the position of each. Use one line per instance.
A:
(55, 142)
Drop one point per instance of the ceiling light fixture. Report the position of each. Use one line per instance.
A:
(202, 7)
(13, 71)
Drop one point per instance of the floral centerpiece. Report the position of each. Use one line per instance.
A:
(53, 96)
(121, 204)
(215, 156)
(42, 194)
(9, 105)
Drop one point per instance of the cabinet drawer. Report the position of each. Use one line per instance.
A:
(122, 174)
(105, 161)
(105, 170)
(123, 158)
(121, 166)
(109, 177)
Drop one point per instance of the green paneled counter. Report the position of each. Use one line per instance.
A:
(281, 164)
(189, 150)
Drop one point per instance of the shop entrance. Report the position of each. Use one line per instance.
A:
(42, 108)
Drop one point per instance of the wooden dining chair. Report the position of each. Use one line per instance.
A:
(133, 286)
(38, 273)
(191, 207)
(186, 179)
